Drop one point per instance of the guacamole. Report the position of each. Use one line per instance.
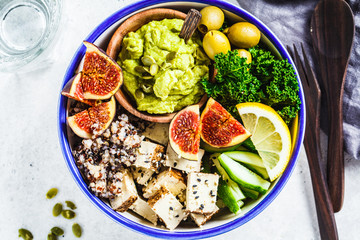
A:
(161, 72)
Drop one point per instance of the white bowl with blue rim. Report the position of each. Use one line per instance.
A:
(223, 222)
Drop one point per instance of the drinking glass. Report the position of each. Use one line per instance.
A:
(27, 27)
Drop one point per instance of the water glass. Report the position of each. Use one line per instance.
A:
(27, 27)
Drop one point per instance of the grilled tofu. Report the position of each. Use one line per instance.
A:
(201, 219)
(170, 179)
(142, 175)
(128, 194)
(201, 192)
(149, 155)
(175, 161)
(142, 208)
(157, 132)
(169, 210)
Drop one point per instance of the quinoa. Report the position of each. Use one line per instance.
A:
(102, 157)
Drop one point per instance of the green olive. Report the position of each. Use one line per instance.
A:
(244, 35)
(212, 18)
(245, 54)
(215, 42)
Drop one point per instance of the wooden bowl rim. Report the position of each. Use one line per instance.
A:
(132, 24)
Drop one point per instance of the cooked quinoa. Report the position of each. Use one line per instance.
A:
(101, 157)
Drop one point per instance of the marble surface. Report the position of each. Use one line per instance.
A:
(31, 161)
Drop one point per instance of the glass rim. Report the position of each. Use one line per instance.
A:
(14, 61)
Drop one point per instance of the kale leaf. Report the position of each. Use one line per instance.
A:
(266, 80)
(234, 83)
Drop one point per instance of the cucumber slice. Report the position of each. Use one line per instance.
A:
(242, 175)
(228, 190)
(258, 170)
(227, 194)
(238, 194)
(250, 193)
(246, 157)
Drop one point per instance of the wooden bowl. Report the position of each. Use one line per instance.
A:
(130, 25)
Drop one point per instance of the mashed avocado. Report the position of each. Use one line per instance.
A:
(161, 72)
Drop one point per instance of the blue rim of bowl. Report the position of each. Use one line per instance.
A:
(155, 232)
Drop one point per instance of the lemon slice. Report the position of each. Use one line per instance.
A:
(270, 135)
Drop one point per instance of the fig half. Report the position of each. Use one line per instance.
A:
(184, 132)
(73, 89)
(94, 120)
(218, 128)
(101, 76)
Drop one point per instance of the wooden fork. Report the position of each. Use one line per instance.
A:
(324, 209)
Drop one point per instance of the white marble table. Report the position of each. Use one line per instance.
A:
(31, 161)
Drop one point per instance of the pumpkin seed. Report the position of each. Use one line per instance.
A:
(68, 214)
(51, 193)
(76, 229)
(147, 77)
(51, 236)
(25, 234)
(154, 69)
(70, 205)
(141, 69)
(148, 60)
(139, 94)
(57, 231)
(166, 65)
(57, 209)
(147, 88)
(170, 56)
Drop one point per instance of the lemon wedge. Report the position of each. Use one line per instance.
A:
(270, 136)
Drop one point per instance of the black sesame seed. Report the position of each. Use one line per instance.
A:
(146, 161)
(183, 207)
(199, 180)
(194, 192)
(139, 171)
(207, 180)
(171, 208)
(194, 185)
(177, 216)
(175, 163)
(196, 197)
(201, 206)
(142, 174)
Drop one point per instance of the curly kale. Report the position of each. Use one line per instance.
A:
(266, 80)
(279, 88)
(234, 83)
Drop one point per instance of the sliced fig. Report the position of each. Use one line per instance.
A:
(184, 132)
(93, 120)
(73, 89)
(219, 128)
(101, 75)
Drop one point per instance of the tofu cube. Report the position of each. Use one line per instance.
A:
(142, 208)
(175, 161)
(169, 210)
(157, 132)
(149, 155)
(171, 179)
(201, 219)
(128, 193)
(201, 192)
(142, 175)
